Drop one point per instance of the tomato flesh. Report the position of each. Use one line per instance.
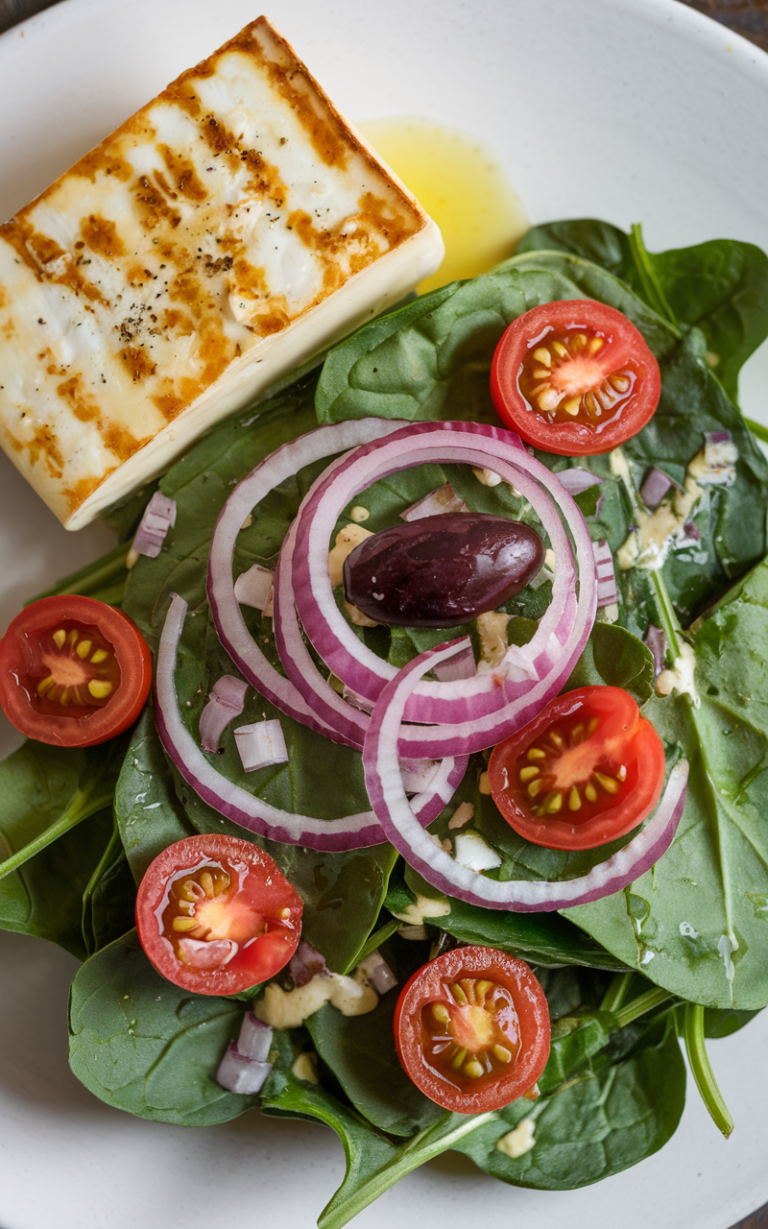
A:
(585, 771)
(74, 672)
(574, 377)
(472, 1029)
(215, 915)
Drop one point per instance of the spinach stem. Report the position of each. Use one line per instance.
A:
(651, 285)
(701, 1068)
(641, 1005)
(100, 574)
(422, 1147)
(757, 429)
(617, 991)
(378, 937)
(81, 807)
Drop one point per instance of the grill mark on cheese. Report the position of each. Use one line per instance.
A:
(190, 239)
(101, 236)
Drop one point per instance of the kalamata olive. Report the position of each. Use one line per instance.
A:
(440, 571)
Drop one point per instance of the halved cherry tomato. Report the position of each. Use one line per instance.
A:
(584, 772)
(472, 1029)
(73, 671)
(574, 377)
(216, 915)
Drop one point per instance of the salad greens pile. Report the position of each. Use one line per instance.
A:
(679, 954)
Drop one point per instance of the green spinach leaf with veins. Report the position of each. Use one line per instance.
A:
(720, 286)
(144, 1045)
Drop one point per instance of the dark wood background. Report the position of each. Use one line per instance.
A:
(747, 17)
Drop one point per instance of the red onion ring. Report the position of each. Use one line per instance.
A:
(284, 463)
(235, 803)
(474, 712)
(385, 790)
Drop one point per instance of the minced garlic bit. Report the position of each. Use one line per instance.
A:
(305, 1068)
(487, 476)
(359, 514)
(424, 907)
(475, 853)
(492, 630)
(680, 677)
(357, 617)
(346, 540)
(518, 1141)
(462, 815)
(484, 784)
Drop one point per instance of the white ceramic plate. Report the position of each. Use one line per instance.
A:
(630, 110)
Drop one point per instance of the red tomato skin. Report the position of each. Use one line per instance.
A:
(261, 956)
(574, 438)
(640, 747)
(427, 985)
(100, 724)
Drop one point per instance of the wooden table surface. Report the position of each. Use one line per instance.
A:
(747, 17)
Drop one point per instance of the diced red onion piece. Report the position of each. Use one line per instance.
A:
(656, 641)
(378, 972)
(254, 587)
(255, 1038)
(576, 480)
(691, 531)
(307, 963)
(607, 589)
(461, 666)
(444, 499)
(225, 702)
(717, 437)
(159, 516)
(385, 789)
(240, 1074)
(261, 744)
(655, 486)
(417, 774)
(350, 832)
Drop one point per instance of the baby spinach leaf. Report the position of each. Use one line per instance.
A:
(593, 1127)
(143, 1045)
(109, 897)
(720, 286)
(613, 656)
(696, 923)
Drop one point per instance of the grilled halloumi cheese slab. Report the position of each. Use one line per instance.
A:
(228, 231)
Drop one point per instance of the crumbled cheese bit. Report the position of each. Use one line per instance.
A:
(359, 514)
(346, 540)
(484, 784)
(715, 465)
(518, 1141)
(462, 815)
(474, 852)
(609, 613)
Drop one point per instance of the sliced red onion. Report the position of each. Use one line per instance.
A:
(607, 589)
(350, 832)
(255, 1038)
(230, 624)
(656, 641)
(240, 1074)
(475, 712)
(307, 963)
(261, 744)
(159, 516)
(254, 587)
(225, 702)
(444, 499)
(378, 972)
(655, 486)
(385, 789)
